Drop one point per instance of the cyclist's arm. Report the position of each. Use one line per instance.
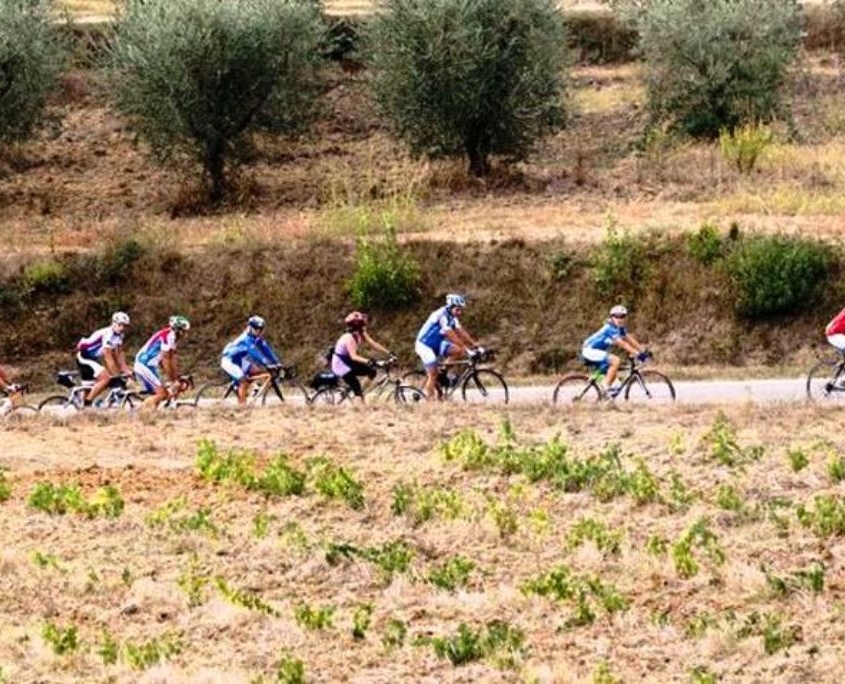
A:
(168, 365)
(263, 353)
(458, 340)
(120, 355)
(629, 344)
(375, 345)
(468, 341)
(111, 362)
(352, 350)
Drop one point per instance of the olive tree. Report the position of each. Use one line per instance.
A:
(714, 64)
(469, 78)
(199, 77)
(31, 57)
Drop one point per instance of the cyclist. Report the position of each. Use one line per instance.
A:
(160, 351)
(835, 331)
(347, 362)
(243, 356)
(6, 384)
(100, 356)
(595, 350)
(442, 335)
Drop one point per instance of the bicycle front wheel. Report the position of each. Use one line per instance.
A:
(575, 387)
(650, 386)
(826, 381)
(57, 405)
(485, 385)
(328, 396)
(216, 393)
(19, 412)
(408, 394)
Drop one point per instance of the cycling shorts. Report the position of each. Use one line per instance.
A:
(428, 355)
(89, 368)
(234, 370)
(148, 375)
(837, 340)
(596, 357)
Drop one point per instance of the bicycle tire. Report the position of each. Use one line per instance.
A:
(417, 378)
(822, 380)
(484, 385)
(408, 394)
(293, 393)
(650, 386)
(575, 387)
(215, 393)
(57, 405)
(19, 412)
(329, 396)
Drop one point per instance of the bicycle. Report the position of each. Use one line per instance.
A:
(265, 388)
(117, 396)
(826, 379)
(637, 385)
(477, 384)
(386, 386)
(11, 406)
(186, 383)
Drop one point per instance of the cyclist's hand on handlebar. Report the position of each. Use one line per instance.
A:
(644, 356)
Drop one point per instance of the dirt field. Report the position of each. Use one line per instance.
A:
(764, 603)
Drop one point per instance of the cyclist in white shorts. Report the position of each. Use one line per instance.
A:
(100, 356)
(160, 352)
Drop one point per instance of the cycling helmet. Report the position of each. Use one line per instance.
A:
(256, 323)
(120, 318)
(455, 300)
(355, 320)
(179, 323)
(619, 310)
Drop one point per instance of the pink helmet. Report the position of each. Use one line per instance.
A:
(355, 320)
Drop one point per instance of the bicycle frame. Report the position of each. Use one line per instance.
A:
(467, 367)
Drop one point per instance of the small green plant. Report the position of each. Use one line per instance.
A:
(234, 466)
(421, 504)
(193, 583)
(313, 618)
(621, 265)
(680, 497)
(588, 529)
(698, 536)
(836, 468)
(699, 623)
(581, 593)
(602, 674)
(245, 600)
(46, 277)
(394, 634)
(361, 620)
(706, 245)
(290, 670)
(496, 639)
(5, 487)
(148, 653)
(701, 675)
(744, 145)
(61, 640)
(453, 574)
(108, 649)
(729, 499)
(335, 482)
(826, 519)
(386, 276)
(47, 560)
(504, 516)
(280, 478)
(170, 514)
(105, 502)
(724, 447)
(261, 524)
(798, 460)
(657, 545)
(811, 579)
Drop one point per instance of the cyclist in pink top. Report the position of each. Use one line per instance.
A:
(347, 362)
(835, 331)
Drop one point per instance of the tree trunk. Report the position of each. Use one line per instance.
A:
(215, 167)
(479, 163)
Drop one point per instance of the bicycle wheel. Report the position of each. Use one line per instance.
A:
(292, 392)
(826, 381)
(650, 386)
(328, 396)
(575, 387)
(216, 393)
(19, 412)
(57, 405)
(483, 385)
(408, 394)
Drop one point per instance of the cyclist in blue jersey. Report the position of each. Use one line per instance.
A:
(442, 335)
(244, 356)
(596, 348)
(159, 352)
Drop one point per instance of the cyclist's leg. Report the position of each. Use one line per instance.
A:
(150, 384)
(429, 361)
(90, 369)
(352, 381)
(598, 358)
(237, 372)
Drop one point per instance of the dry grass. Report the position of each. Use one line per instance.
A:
(122, 577)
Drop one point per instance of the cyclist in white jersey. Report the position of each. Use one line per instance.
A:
(100, 356)
(442, 335)
(159, 352)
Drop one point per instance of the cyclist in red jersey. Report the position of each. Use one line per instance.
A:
(835, 331)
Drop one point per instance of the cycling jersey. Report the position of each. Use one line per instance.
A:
(92, 347)
(250, 347)
(433, 332)
(606, 337)
(342, 361)
(162, 341)
(837, 325)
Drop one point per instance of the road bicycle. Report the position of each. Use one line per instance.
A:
(11, 403)
(476, 384)
(826, 380)
(180, 401)
(637, 385)
(385, 387)
(265, 389)
(117, 396)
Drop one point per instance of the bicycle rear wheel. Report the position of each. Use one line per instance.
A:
(485, 385)
(19, 412)
(650, 386)
(575, 387)
(57, 405)
(826, 381)
(408, 394)
(328, 396)
(293, 393)
(218, 392)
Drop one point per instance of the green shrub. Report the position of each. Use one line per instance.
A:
(386, 276)
(46, 277)
(743, 145)
(199, 77)
(469, 79)
(5, 487)
(717, 64)
(777, 274)
(706, 246)
(621, 265)
(31, 57)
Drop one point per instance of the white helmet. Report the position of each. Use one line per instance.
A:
(619, 310)
(120, 318)
(453, 299)
(179, 323)
(256, 323)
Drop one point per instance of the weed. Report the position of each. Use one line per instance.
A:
(61, 640)
(126, 577)
(561, 265)
(5, 487)
(290, 670)
(657, 545)
(47, 560)
(46, 277)
(729, 499)
(697, 536)
(261, 524)
(680, 497)
(468, 645)
(602, 674)
(836, 468)
(699, 623)
(588, 529)
(334, 482)
(280, 479)
(234, 466)
(245, 600)
(504, 516)
(108, 649)
(701, 675)
(811, 579)
(642, 484)
(394, 634)
(144, 655)
(724, 447)
(421, 504)
(292, 535)
(105, 502)
(744, 145)
(167, 514)
(313, 618)
(453, 574)
(828, 518)
(621, 265)
(563, 585)
(706, 246)
(469, 450)
(386, 276)
(193, 583)
(361, 620)
(797, 460)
